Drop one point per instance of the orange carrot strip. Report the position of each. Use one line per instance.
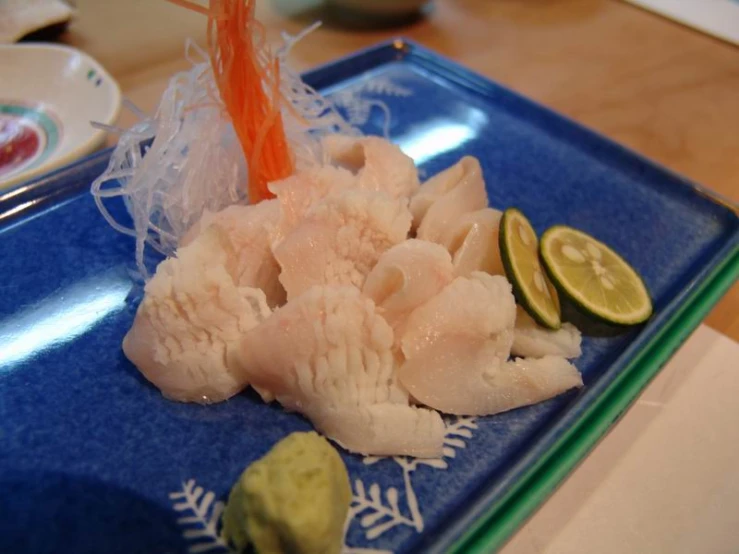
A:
(191, 6)
(236, 40)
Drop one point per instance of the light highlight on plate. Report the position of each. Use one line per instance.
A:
(442, 135)
(61, 318)
(435, 139)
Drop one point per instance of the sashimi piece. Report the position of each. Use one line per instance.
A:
(433, 189)
(532, 340)
(249, 230)
(382, 429)
(473, 243)
(464, 376)
(192, 313)
(379, 164)
(480, 306)
(446, 196)
(406, 276)
(456, 349)
(526, 381)
(328, 355)
(298, 193)
(340, 240)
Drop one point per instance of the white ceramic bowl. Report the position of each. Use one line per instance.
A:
(49, 94)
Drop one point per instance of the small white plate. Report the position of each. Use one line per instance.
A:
(49, 94)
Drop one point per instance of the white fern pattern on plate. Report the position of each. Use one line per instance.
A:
(377, 516)
(376, 511)
(358, 102)
(201, 515)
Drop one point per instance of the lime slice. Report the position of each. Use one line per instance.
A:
(591, 275)
(519, 251)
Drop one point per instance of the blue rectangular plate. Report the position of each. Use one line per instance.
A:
(93, 459)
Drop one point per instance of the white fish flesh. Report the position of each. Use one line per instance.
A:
(192, 314)
(328, 355)
(473, 243)
(298, 193)
(457, 346)
(446, 196)
(532, 340)
(340, 240)
(480, 306)
(379, 165)
(406, 276)
(249, 229)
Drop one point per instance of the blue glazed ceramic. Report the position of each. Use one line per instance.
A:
(93, 459)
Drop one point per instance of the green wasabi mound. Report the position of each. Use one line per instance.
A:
(294, 500)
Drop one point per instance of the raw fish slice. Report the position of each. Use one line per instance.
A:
(328, 355)
(406, 276)
(456, 348)
(473, 243)
(466, 376)
(299, 192)
(530, 339)
(249, 230)
(191, 315)
(340, 240)
(379, 164)
(383, 429)
(481, 306)
(526, 381)
(433, 189)
(446, 196)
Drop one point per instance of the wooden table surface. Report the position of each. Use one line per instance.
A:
(662, 89)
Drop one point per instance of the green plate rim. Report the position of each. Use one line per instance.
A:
(492, 530)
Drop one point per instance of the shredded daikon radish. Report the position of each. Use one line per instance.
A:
(309, 110)
(194, 162)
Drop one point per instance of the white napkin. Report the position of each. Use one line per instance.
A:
(719, 18)
(20, 17)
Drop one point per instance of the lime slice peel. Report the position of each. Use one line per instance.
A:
(519, 250)
(594, 277)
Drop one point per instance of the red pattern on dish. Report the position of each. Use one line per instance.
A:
(19, 142)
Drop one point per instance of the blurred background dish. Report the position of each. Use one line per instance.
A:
(377, 12)
(49, 94)
(382, 7)
(20, 18)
